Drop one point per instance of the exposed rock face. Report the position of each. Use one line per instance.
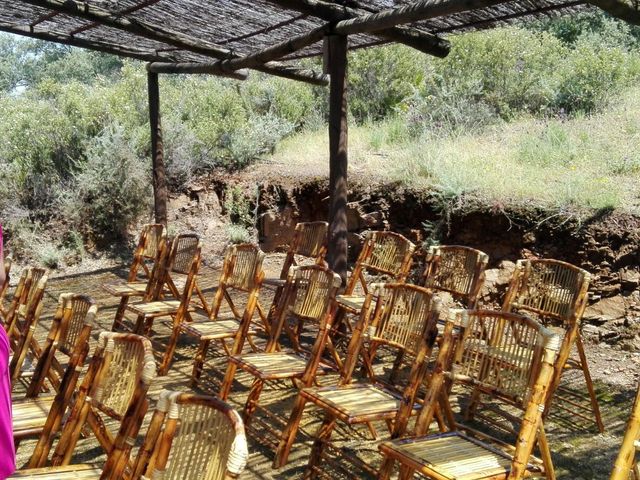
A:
(607, 244)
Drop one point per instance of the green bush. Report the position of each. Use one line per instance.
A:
(111, 191)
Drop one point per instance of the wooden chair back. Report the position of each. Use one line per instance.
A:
(458, 270)
(309, 240)
(626, 466)
(397, 315)
(115, 385)
(384, 254)
(192, 437)
(74, 314)
(549, 289)
(308, 295)
(184, 250)
(25, 289)
(23, 331)
(241, 270)
(152, 237)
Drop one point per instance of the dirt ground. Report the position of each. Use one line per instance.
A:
(579, 452)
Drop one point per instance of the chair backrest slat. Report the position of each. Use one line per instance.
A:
(550, 289)
(310, 241)
(246, 264)
(385, 254)
(202, 438)
(456, 269)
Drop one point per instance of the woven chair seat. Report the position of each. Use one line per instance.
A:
(156, 309)
(215, 329)
(275, 365)
(452, 456)
(356, 403)
(70, 472)
(30, 415)
(352, 303)
(124, 289)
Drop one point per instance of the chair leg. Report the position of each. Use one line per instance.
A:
(198, 362)
(117, 321)
(171, 349)
(405, 473)
(386, 468)
(225, 388)
(587, 376)
(323, 435)
(288, 435)
(69, 439)
(545, 454)
(252, 401)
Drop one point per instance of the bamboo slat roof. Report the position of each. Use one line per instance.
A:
(200, 31)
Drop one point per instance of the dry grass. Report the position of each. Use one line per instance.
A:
(579, 163)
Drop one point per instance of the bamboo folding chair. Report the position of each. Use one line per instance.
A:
(33, 415)
(241, 271)
(190, 437)
(23, 328)
(25, 289)
(309, 241)
(556, 293)
(184, 259)
(151, 248)
(308, 298)
(404, 318)
(509, 358)
(115, 385)
(74, 313)
(457, 270)
(626, 466)
(385, 256)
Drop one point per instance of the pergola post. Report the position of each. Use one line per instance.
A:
(338, 159)
(157, 152)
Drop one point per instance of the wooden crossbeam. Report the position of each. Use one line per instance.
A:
(79, 9)
(331, 12)
(130, 52)
(619, 9)
(214, 68)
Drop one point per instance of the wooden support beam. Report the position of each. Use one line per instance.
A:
(333, 12)
(413, 12)
(76, 8)
(214, 68)
(338, 158)
(97, 46)
(619, 9)
(160, 191)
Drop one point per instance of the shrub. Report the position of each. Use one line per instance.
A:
(112, 189)
(238, 234)
(259, 135)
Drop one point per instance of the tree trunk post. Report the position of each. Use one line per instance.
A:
(338, 159)
(157, 152)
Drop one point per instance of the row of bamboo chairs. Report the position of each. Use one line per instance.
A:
(500, 355)
(201, 428)
(550, 289)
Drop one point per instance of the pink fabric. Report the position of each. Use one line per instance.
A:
(7, 451)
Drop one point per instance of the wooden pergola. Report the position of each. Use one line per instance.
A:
(231, 37)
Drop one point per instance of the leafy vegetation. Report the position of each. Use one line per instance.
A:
(525, 102)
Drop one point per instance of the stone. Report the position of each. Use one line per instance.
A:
(629, 279)
(496, 283)
(606, 310)
(354, 214)
(276, 229)
(373, 219)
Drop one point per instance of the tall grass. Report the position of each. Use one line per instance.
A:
(588, 162)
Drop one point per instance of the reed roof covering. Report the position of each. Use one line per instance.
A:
(202, 31)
